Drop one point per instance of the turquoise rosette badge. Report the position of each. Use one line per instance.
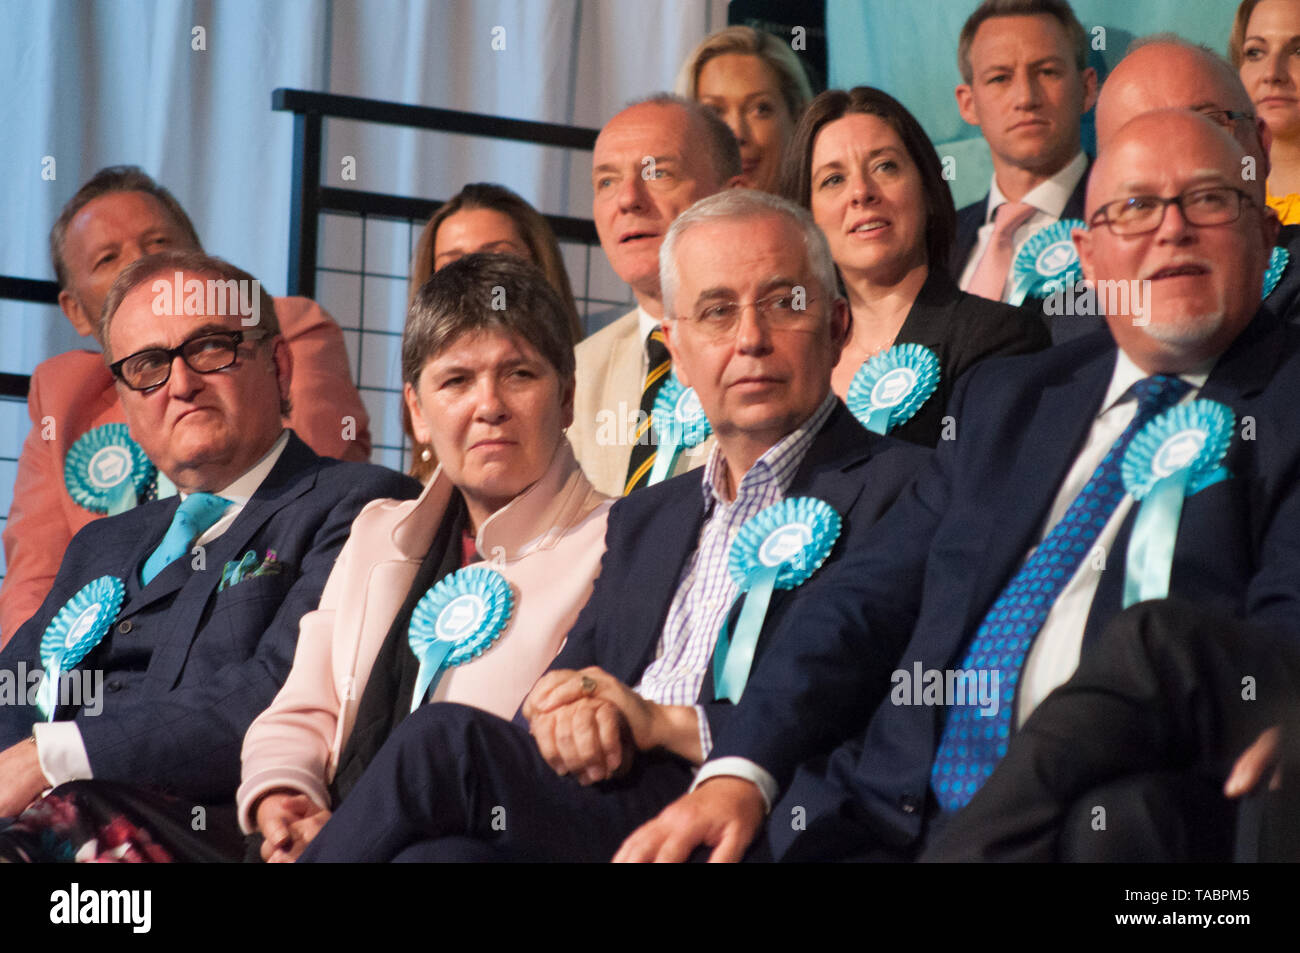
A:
(76, 629)
(1048, 262)
(889, 389)
(105, 471)
(1176, 455)
(679, 424)
(456, 621)
(777, 548)
(1278, 259)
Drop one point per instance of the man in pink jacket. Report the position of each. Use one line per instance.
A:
(66, 476)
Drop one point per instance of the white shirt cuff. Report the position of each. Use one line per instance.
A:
(61, 751)
(706, 734)
(744, 769)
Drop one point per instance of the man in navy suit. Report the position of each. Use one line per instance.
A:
(211, 582)
(629, 708)
(1168, 73)
(1011, 552)
(1026, 83)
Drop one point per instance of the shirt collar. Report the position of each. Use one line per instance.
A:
(645, 323)
(779, 462)
(1049, 196)
(242, 489)
(1127, 374)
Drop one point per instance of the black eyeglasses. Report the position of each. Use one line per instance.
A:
(1140, 214)
(204, 353)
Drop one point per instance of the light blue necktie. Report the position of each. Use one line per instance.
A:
(973, 743)
(196, 514)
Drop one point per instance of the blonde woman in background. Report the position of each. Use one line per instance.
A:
(755, 83)
(1265, 49)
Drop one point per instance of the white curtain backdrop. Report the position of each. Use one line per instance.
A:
(90, 83)
(97, 82)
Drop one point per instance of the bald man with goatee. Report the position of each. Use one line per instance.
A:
(1168, 72)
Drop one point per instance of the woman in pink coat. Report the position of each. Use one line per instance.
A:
(488, 568)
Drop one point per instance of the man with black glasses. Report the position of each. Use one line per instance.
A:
(172, 625)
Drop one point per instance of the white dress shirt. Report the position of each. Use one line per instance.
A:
(59, 745)
(1055, 653)
(1048, 198)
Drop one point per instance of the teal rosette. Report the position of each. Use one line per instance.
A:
(777, 548)
(456, 621)
(76, 629)
(1048, 262)
(1176, 455)
(1277, 262)
(890, 388)
(678, 422)
(105, 471)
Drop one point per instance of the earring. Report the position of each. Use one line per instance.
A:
(426, 454)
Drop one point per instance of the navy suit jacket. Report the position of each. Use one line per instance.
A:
(937, 561)
(653, 532)
(187, 667)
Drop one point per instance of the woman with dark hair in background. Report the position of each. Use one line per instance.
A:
(756, 85)
(484, 217)
(860, 162)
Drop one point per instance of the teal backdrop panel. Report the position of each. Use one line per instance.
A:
(909, 49)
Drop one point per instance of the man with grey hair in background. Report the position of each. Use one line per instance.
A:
(651, 161)
(615, 729)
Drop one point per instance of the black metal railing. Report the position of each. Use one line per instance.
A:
(14, 386)
(309, 198)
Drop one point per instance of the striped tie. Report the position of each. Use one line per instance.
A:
(643, 447)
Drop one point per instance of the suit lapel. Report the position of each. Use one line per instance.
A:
(969, 221)
(139, 596)
(674, 537)
(1244, 371)
(293, 475)
(1074, 204)
(823, 472)
(623, 382)
(826, 473)
(1048, 446)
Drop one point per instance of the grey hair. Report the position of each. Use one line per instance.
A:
(739, 205)
(723, 148)
(482, 292)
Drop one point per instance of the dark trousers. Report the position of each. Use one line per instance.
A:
(1126, 760)
(455, 783)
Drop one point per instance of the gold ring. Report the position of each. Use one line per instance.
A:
(588, 685)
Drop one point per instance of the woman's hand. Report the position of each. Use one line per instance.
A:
(288, 822)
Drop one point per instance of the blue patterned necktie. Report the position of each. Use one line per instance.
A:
(972, 743)
(194, 516)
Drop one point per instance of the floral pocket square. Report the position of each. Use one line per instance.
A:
(233, 573)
